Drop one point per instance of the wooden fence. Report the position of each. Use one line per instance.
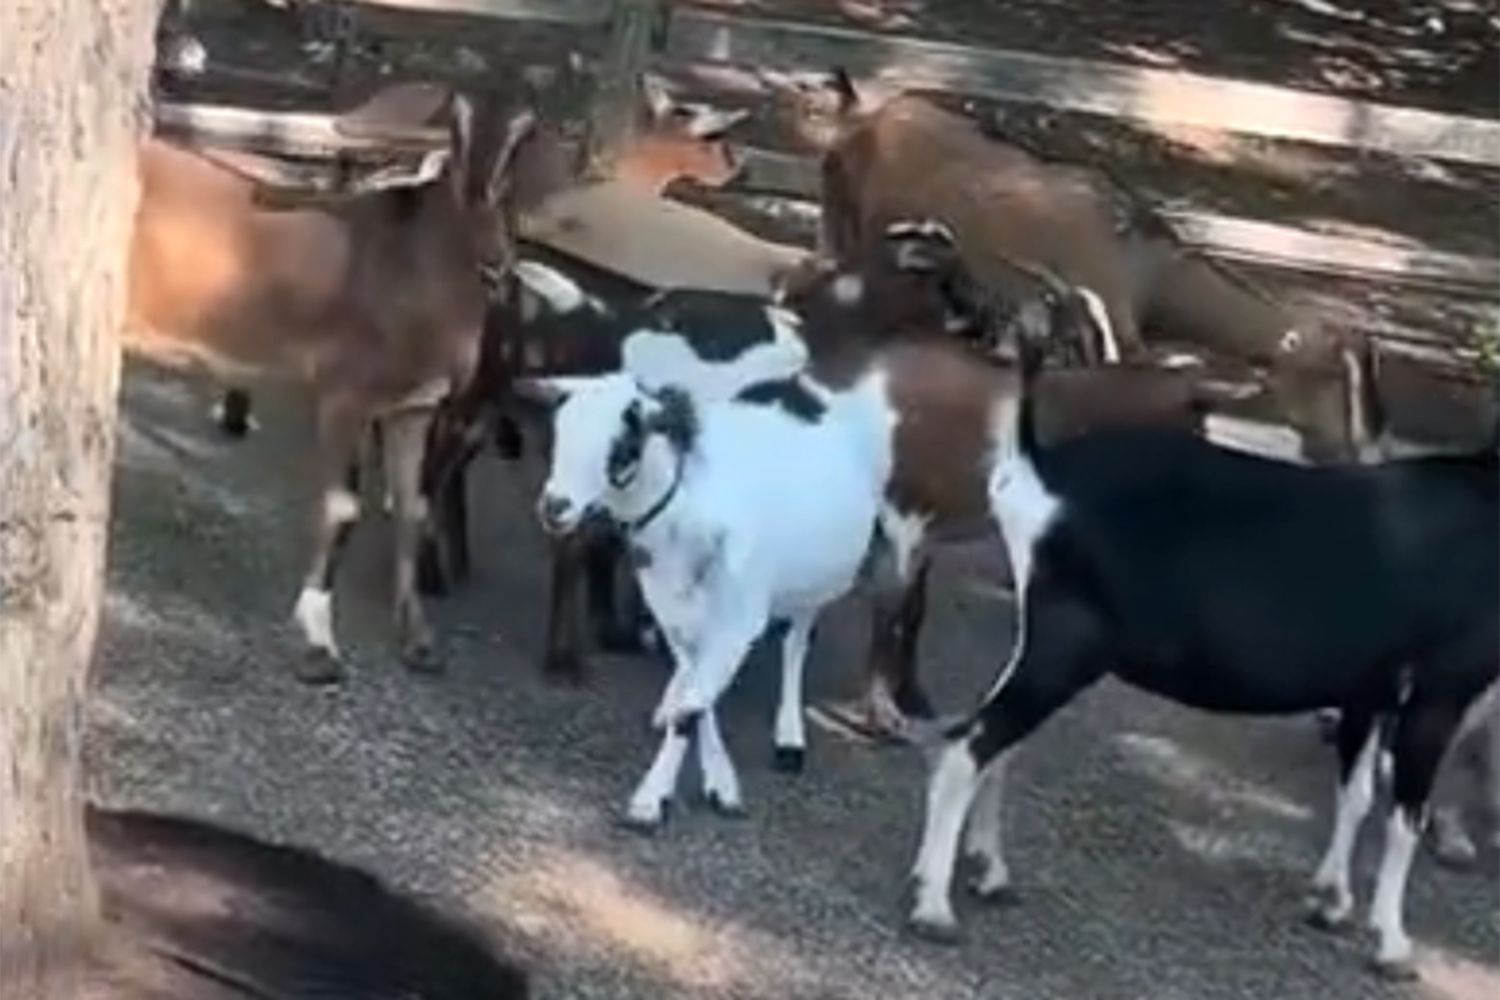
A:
(677, 36)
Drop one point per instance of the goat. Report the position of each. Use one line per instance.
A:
(1016, 215)
(719, 554)
(625, 225)
(375, 301)
(1232, 583)
(904, 314)
(942, 390)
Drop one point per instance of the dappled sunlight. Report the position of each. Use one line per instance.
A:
(579, 902)
(1446, 976)
(168, 617)
(1256, 846)
(1166, 761)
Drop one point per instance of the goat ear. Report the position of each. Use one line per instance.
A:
(675, 418)
(522, 126)
(659, 103)
(843, 87)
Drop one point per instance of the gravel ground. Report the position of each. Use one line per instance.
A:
(1159, 853)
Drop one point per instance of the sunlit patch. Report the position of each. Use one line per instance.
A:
(1166, 761)
(1446, 976)
(1227, 845)
(576, 900)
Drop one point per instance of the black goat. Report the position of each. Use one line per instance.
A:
(1237, 584)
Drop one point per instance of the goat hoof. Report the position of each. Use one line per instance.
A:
(999, 897)
(320, 666)
(565, 668)
(423, 658)
(1329, 920)
(935, 931)
(642, 821)
(725, 807)
(1395, 970)
(789, 760)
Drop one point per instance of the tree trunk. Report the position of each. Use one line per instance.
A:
(72, 82)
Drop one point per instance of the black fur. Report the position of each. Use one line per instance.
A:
(791, 394)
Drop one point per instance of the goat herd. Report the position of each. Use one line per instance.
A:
(756, 429)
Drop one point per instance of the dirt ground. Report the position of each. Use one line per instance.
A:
(1159, 853)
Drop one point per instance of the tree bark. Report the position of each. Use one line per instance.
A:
(72, 85)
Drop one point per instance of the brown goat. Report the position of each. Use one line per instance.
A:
(944, 392)
(374, 300)
(909, 158)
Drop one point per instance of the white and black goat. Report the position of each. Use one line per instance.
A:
(699, 489)
(1235, 584)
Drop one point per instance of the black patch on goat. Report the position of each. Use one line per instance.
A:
(791, 394)
(718, 326)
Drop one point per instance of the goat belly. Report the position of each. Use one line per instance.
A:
(1231, 583)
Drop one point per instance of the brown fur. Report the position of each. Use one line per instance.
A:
(910, 158)
(374, 300)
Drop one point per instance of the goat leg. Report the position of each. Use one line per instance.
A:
(405, 443)
(333, 519)
(614, 630)
(563, 660)
(894, 695)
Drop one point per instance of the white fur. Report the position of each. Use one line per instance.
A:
(1355, 797)
(949, 795)
(560, 292)
(848, 289)
(314, 616)
(659, 359)
(1023, 510)
(983, 840)
(1390, 889)
(790, 731)
(904, 533)
(728, 554)
(1095, 305)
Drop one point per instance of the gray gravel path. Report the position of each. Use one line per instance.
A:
(1160, 854)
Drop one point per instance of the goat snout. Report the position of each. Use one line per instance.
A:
(558, 515)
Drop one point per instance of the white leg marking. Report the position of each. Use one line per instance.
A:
(904, 533)
(314, 615)
(1401, 837)
(790, 734)
(1353, 800)
(949, 793)
(719, 778)
(340, 507)
(982, 837)
(1100, 315)
(660, 782)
